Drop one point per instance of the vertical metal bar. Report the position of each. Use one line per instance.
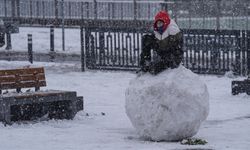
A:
(37, 9)
(18, 9)
(43, 9)
(56, 12)
(109, 47)
(203, 14)
(246, 11)
(113, 10)
(134, 50)
(190, 51)
(115, 49)
(194, 63)
(8, 40)
(87, 34)
(93, 49)
(31, 11)
(220, 40)
(248, 53)
(63, 30)
(139, 45)
(13, 8)
(123, 59)
(243, 51)
(121, 12)
(5, 8)
(52, 39)
(30, 51)
(218, 14)
(69, 5)
(95, 9)
(202, 52)
(238, 60)
(82, 10)
(127, 48)
(87, 8)
(207, 52)
(228, 59)
(52, 43)
(135, 10)
(223, 50)
(109, 11)
(82, 49)
(120, 48)
(198, 52)
(102, 48)
(189, 19)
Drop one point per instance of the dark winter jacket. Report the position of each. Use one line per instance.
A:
(169, 53)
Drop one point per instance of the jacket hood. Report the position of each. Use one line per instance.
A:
(163, 16)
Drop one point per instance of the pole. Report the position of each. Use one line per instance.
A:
(30, 51)
(218, 15)
(52, 44)
(52, 39)
(82, 50)
(63, 30)
(135, 10)
(248, 54)
(8, 39)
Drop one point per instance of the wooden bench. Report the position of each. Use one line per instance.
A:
(28, 105)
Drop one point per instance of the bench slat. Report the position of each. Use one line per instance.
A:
(12, 85)
(30, 77)
(22, 78)
(21, 71)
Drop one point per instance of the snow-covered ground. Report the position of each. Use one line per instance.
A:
(227, 127)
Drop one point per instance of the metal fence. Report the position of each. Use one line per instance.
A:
(189, 14)
(205, 51)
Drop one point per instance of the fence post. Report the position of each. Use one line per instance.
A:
(95, 9)
(18, 9)
(30, 9)
(248, 54)
(63, 29)
(82, 49)
(52, 39)
(52, 44)
(13, 8)
(218, 15)
(56, 12)
(5, 8)
(135, 10)
(8, 40)
(30, 51)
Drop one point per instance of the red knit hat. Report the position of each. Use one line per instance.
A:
(163, 16)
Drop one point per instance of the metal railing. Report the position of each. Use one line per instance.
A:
(205, 51)
(191, 14)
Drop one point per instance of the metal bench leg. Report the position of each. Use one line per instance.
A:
(7, 114)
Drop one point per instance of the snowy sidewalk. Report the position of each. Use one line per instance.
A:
(227, 127)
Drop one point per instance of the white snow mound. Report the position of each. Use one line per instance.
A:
(169, 106)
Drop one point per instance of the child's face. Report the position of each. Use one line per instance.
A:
(159, 24)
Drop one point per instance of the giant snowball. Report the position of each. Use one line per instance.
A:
(169, 106)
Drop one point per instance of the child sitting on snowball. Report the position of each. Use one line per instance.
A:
(166, 42)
